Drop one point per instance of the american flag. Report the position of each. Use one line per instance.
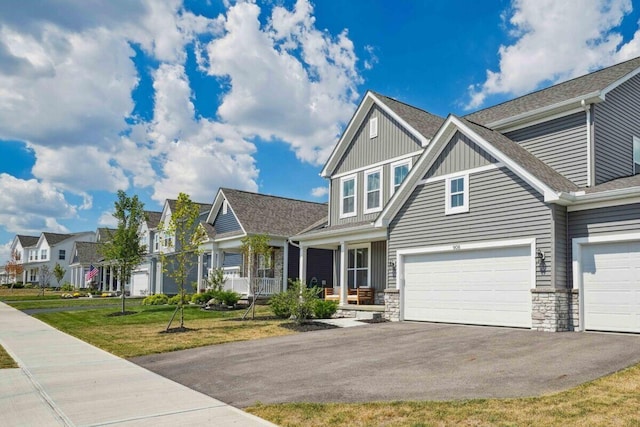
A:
(91, 273)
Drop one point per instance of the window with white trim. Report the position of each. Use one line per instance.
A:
(62, 254)
(373, 190)
(457, 194)
(348, 195)
(33, 274)
(373, 127)
(358, 268)
(43, 254)
(636, 155)
(156, 242)
(399, 172)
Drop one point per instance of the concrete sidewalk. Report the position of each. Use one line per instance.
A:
(65, 381)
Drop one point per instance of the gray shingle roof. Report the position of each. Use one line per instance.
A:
(204, 207)
(328, 229)
(153, 218)
(209, 229)
(54, 238)
(276, 216)
(26, 241)
(616, 184)
(524, 158)
(104, 233)
(571, 89)
(87, 252)
(422, 121)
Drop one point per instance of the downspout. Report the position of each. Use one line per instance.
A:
(590, 165)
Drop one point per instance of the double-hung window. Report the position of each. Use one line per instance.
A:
(636, 155)
(43, 254)
(62, 254)
(373, 192)
(348, 204)
(457, 194)
(399, 172)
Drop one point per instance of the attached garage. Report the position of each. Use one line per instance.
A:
(610, 285)
(471, 285)
(139, 283)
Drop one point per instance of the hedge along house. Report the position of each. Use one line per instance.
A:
(236, 214)
(525, 214)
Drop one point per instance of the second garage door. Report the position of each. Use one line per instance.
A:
(611, 286)
(483, 287)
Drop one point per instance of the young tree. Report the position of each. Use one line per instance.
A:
(123, 249)
(14, 268)
(58, 272)
(185, 243)
(45, 274)
(254, 247)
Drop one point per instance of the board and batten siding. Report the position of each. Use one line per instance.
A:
(609, 220)
(560, 253)
(616, 122)
(378, 265)
(501, 207)
(459, 155)
(225, 223)
(392, 141)
(361, 196)
(560, 143)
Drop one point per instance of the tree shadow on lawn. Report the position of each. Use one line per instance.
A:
(178, 330)
(121, 313)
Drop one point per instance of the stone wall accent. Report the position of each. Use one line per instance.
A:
(554, 310)
(345, 313)
(392, 304)
(379, 298)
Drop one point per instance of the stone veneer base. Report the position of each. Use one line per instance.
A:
(392, 304)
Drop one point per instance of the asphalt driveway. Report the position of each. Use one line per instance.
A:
(397, 361)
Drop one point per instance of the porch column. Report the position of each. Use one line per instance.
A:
(218, 258)
(343, 273)
(110, 278)
(200, 268)
(285, 265)
(302, 275)
(103, 279)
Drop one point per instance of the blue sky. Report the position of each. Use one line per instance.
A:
(158, 97)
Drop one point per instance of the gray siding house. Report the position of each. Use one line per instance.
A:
(525, 214)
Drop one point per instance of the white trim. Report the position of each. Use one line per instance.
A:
(392, 173)
(451, 210)
(368, 101)
(365, 201)
(366, 246)
(590, 168)
(402, 158)
(490, 167)
(353, 177)
(576, 246)
(345, 235)
(373, 127)
(490, 244)
(225, 207)
(603, 204)
(618, 82)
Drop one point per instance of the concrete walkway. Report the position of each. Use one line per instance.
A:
(65, 381)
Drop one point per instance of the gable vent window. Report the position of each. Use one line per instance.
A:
(457, 194)
(373, 127)
(636, 155)
(225, 207)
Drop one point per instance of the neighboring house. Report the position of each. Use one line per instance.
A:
(49, 249)
(524, 214)
(84, 255)
(20, 247)
(236, 214)
(144, 276)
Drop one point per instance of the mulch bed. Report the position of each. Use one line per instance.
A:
(308, 326)
(120, 313)
(177, 330)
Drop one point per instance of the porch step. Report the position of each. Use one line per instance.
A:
(368, 315)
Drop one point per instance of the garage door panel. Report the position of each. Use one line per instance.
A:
(611, 286)
(490, 287)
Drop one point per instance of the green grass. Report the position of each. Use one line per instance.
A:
(7, 294)
(610, 401)
(73, 302)
(142, 333)
(6, 361)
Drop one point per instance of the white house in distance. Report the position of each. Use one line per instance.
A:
(48, 249)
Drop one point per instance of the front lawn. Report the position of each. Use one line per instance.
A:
(22, 294)
(74, 302)
(612, 400)
(142, 333)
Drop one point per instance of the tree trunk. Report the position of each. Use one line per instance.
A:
(181, 302)
(123, 291)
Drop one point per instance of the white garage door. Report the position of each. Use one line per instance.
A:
(611, 286)
(140, 283)
(484, 287)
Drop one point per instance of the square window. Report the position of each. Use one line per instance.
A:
(373, 197)
(457, 195)
(348, 196)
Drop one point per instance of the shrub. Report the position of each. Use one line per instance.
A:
(174, 300)
(281, 304)
(202, 298)
(157, 299)
(228, 298)
(18, 285)
(325, 309)
(67, 287)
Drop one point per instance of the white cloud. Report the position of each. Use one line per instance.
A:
(107, 220)
(5, 253)
(303, 100)
(556, 41)
(320, 191)
(29, 206)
